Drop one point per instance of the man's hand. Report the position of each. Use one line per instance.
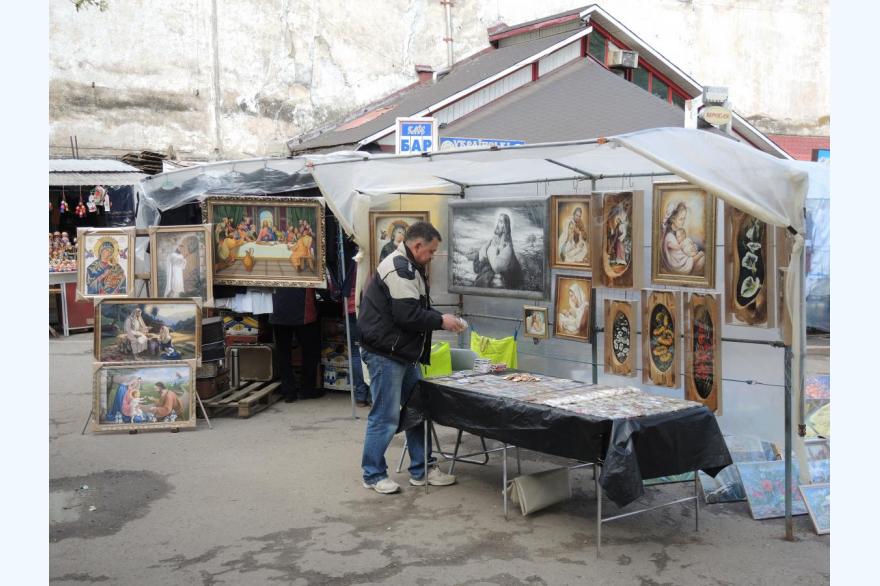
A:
(452, 323)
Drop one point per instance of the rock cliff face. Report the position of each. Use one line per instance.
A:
(237, 78)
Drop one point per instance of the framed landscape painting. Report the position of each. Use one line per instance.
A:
(702, 342)
(498, 248)
(181, 263)
(105, 262)
(144, 396)
(660, 332)
(387, 230)
(749, 274)
(266, 241)
(570, 230)
(619, 239)
(683, 236)
(535, 320)
(620, 337)
(129, 330)
(572, 307)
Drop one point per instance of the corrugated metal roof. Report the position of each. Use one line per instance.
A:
(95, 178)
(462, 76)
(90, 165)
(580, 99)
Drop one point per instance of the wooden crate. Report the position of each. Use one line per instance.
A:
(248, 400)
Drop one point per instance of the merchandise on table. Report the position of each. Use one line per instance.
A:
(62, 253)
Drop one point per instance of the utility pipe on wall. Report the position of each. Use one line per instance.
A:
(447, 4)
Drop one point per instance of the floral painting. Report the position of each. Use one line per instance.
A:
(572, 307)
(570, 227)
(105, 262)
(144, 396)
(660, 331)
(683, 236)
(703, 350)
(764, 484)
(147, 330)
(746, 278)
(498, 247)
(818, 500)
(268, 241)
(181, 262)
(620, 337)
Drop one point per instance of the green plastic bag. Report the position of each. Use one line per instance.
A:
(503, 350)
(441, 361)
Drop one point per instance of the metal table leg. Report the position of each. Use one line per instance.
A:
(504, 478)
(64, 310)
(598, 509)
(696, 500)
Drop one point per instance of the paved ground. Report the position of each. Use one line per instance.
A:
(277, 499)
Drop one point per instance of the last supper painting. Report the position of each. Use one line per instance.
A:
(266, 241)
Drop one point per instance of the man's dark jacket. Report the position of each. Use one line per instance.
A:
(396, 319)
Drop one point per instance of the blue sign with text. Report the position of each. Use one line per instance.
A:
(456, 142)
(416, 137)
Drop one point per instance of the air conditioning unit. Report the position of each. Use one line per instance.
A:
(624, 59)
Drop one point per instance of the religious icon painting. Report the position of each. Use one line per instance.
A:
(144, 396)
(105, 262)
(683, 236)
(387, 230)
(147, 330)
(619, 238)
(498, 248)
(570, 229)
(572, 307)
(535, 320)
(266, 241)
(660, 332)
(702, 339)
(749, 274)
(620, 337)
(181, 263)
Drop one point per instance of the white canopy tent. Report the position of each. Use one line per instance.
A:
(771, 189)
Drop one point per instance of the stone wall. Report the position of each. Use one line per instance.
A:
(237, 78)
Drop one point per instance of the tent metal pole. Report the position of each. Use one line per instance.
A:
(341, 250)
(802, 428)
(594, 351)
(789, 525)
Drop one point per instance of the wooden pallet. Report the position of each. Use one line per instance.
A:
(249, 399)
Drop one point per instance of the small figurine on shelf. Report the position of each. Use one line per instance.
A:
(63, 207)
(81, 209)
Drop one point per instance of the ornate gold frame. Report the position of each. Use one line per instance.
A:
(708, 280)
(147, 301)
(374, 254)
(553, 238)
(208, 260)
(589, 282)
(536, 309)
(180, 423)
(81, 235)
(285, 201)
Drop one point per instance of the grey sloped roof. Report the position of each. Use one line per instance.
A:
(90, 166)
(463, 75)
(581, 99)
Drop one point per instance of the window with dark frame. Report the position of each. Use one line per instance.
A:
(640, 77)
(678, 100)
(659, 88)
(597, 46)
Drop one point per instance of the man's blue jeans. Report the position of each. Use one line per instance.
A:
(391, 384)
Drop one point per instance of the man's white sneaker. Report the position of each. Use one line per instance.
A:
(436, 477)
(384, 486)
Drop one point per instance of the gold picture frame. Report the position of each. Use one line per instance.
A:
(620, 337)
(535, 322)
(660, 338)
(750, 275)
(573, 299)
(180, 340)
(187, 249)
(702, 356)
(396, 222)
(100, 275)
(117, 408)
(683, 236)
(571, 237)
(275, 254)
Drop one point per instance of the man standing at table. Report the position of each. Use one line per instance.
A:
(396, 321)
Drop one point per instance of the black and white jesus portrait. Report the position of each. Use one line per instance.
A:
(498, 248)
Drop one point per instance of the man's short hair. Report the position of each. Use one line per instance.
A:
(423, 230)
